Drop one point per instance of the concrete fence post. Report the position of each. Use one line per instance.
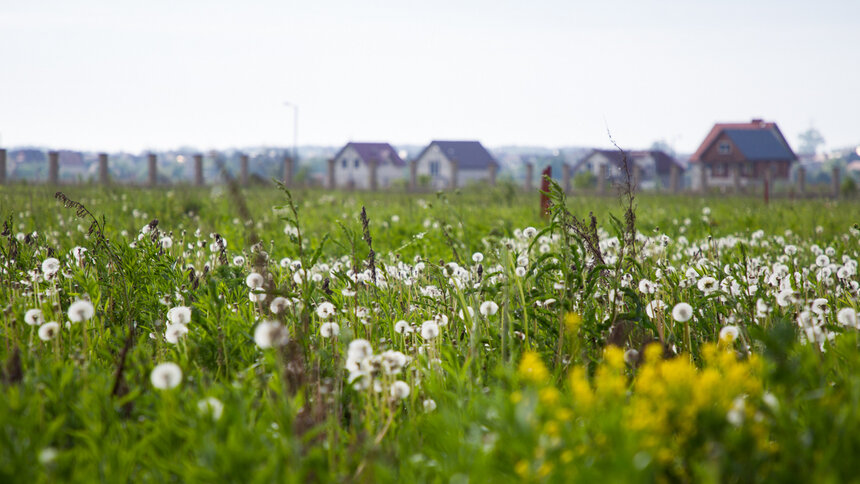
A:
(492, 169)
(529, 182)
(198, 170)
(288, 171)
(736, 177)
(565, 177)
(455, 173)
(637, 177)
(703, 177)
(835, 179)
(413, 175)
(373, 182)
(674, 178)
(2, 166)
(153, 169)
(801, 180)
(104, 176)
(601, 179)
(53, 167)
(332, 184)
(243, 169)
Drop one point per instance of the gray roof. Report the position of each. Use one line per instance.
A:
(469, 155)
(760, 144)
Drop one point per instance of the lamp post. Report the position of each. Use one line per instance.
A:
(295, 130)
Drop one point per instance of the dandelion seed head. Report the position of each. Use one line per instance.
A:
(34, 317)
(269, 334)
(166, 376)
(49, 331)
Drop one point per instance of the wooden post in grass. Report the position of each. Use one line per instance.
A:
(834, 179)
(455, 172)
(413, 175)
(703, 178)
(198, 170)
(601, 179)
(530, 171)
(2, 166)
(53, 167)
(565, 177)
(373, 182)
(491, 174)
(243, 169)
(288, 172)
(736, 177)
(153, 169)
(674, 178)
(104, 177)
(801, 180)
(331, 180)
(637, 176)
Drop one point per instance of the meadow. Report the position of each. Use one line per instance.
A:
(263, 335)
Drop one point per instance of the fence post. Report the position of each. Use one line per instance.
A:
(703, 177)
(372, 166)
(492, 169)
(2, 166)
(53, 167)
(835, 179)
(674, 178)
(104, 178)
(198, 170)
(736, 177)
(801, 180)
(332, 183)
(413, 175)
(243, 169)
(288, 171)
(153, 169)
(530, 171)
(601, 179)
(455, 172)
(565, 177)
(637, 176)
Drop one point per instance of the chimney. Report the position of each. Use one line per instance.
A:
(757, 121)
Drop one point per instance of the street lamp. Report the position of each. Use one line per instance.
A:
(295, 130)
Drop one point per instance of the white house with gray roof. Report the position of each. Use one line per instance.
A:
(451, 164)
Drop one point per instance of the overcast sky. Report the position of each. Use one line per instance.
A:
(122, 75)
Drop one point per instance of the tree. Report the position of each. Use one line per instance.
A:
(664, 146)
(810, 140)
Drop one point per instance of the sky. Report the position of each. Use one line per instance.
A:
(129, 76)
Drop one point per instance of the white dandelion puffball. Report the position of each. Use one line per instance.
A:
(477, 257)
(682, 312)
(329, 330)
(238, 260)
(520, 271)
(174, 332)
(707, 284)
(847, 317)
(166, 376)
(279, 304)
(81, 310)
(257, 296)
(254, 280)
(489, 308)
(429, 405)
(270, 333)
(400, 390)
(179, 315)
(49, 331)
(325, 310)
(50, 267)
(429, 330)
(529, 232)
(469, 310)
(822, 260)
(655, 307)
(402, 327)
(211, 406)
(359, 349)
(729, 334)
(34, 317)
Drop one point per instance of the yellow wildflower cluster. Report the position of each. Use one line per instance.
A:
(532, 368)
(671, 398)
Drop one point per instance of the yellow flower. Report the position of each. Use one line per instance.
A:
(572, 321)
(522, 468)
(532, 368)
(549, 396)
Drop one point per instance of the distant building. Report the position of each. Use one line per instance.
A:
(440, 160)
(352, 165)
(655, 167)
(742, 153)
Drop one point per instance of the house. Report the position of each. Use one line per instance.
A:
(450, 164)
(739, 154)
(351, 166)
(653, 167)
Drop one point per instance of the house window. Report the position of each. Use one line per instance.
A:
(356, 162)
(343, 163)
(434, 168)
(725, 148)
